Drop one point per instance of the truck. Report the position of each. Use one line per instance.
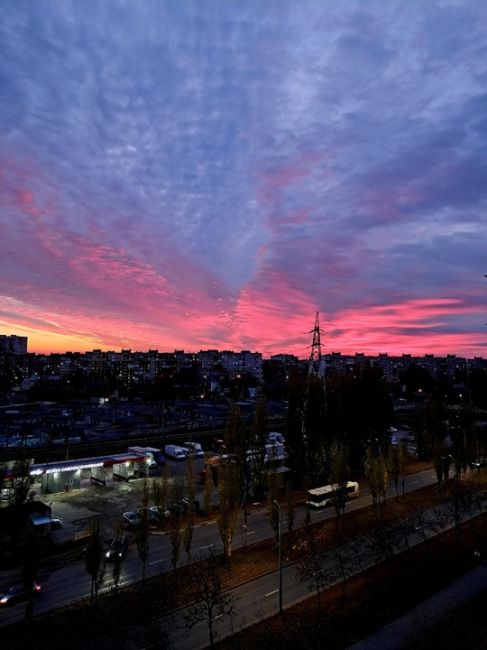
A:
(194, 449)
(157, 455)
(274, 436)
(153, 456)
(274, 452)
(175, 452)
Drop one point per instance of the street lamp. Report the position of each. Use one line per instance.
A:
(278, 506)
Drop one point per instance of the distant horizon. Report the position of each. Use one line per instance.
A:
(237, 351)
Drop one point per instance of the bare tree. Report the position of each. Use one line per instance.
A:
(175, 524)
(383, 538)
(208, 487)
(290, 510)
(272, 496)
(142, 531)
(382, 478)
(229, 504)
(438, 465)
(312, 566)
(21, 481)
(160, 492)
(234, 431)
(441, 519)
(339, 475)
(419, 521)
(358, 546)
(191, 492)
(376, 472)
(394, 467)
(175, 537)
(371, 472)
(210, 601)
(191, 481)
(403, 467)
(340, 555)
(93, 560)
(256, 470)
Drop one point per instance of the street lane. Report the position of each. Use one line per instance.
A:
(71, 582)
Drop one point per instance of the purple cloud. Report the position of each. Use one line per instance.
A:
(192, 175)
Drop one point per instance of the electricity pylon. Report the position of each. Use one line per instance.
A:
(316, 361)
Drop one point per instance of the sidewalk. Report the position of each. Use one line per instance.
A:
(405, 629)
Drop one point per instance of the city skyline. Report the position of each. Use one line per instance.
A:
(329, 355)
(205, 176)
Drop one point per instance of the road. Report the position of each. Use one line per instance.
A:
(259, 599)
(70, 582)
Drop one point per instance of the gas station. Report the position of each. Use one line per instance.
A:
(66, 475)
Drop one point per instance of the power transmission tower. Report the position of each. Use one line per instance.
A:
(316, 361)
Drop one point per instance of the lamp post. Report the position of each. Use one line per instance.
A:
(278, 506)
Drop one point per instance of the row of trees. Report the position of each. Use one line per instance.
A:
(328, 556)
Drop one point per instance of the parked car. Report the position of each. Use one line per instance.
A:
(157, 514)
(130, 518)
(117, 548)
(178, 507)
(20, 593)
(477, 463)
(6, 494)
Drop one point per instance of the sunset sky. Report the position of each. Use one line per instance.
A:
(210, 173)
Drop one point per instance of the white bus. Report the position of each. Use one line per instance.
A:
(321, 497)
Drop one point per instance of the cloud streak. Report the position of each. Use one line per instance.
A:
(209, 176)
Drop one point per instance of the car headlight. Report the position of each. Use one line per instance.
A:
(107, 554)
(4, 600)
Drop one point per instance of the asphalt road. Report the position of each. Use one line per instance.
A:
(259, 599)
(70, 582)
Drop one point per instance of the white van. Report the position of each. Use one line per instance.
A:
(194, 449)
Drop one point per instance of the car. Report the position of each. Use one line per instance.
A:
(131, 518)
(20, 593)
(117, 548)
(157, 513)
(477, 463)
(6, 494)
(179, 507)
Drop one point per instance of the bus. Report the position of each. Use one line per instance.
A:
(321, 497)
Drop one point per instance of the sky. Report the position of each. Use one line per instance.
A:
(211, 173)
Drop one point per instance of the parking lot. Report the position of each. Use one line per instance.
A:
(76, 508)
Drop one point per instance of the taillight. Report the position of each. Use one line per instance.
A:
(38, 587)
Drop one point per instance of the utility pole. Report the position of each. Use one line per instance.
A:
(278, 506)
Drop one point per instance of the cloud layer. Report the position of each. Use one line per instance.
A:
(199, 175)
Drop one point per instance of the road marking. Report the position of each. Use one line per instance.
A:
(250, 532)
(208, 546)
(271, 592)
(157, 561)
